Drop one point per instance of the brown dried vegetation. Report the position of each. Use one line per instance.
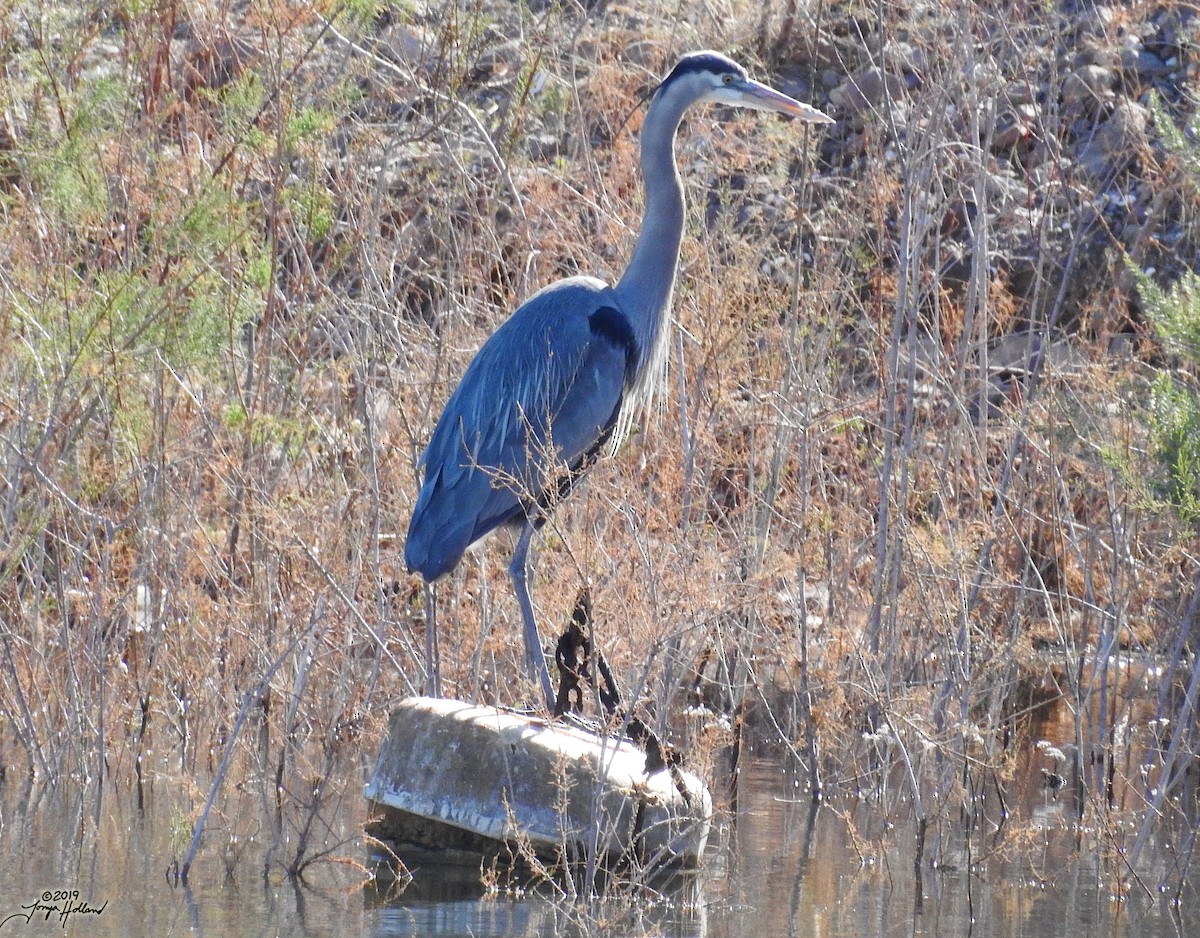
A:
(247, 261)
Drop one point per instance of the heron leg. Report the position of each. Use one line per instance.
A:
(433, 670)
(534, 655)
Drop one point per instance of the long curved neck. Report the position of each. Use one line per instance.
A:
(644, 290)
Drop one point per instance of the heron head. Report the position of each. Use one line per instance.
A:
(710, 76)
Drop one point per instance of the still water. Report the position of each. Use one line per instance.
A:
(775, 868)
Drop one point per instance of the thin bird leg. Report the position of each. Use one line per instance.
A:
(433, 671)
(534, 655)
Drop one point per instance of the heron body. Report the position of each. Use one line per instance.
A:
(570, 368)
(535, 405)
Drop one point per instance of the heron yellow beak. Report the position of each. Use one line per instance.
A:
(756, 95)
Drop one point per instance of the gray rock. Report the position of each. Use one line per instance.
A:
(868, 90)
(1088, 87)
(1116, 142)
(903, 57)
(1142, 63)
(411, 45)
(1095, 21)
(648, 53)
(546, 146)
(1016, 129)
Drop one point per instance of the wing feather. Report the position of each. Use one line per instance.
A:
(531, 410)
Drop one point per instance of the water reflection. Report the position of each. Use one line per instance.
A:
(778, 868)
(849, 869)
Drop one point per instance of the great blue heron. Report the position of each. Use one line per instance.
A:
(569, 369)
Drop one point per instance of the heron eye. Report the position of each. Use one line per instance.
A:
(727, 78)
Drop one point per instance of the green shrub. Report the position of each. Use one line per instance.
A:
(1175, 399)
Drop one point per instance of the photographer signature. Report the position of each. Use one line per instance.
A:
(59, 903)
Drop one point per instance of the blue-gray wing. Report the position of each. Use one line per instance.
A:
(533, 408)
